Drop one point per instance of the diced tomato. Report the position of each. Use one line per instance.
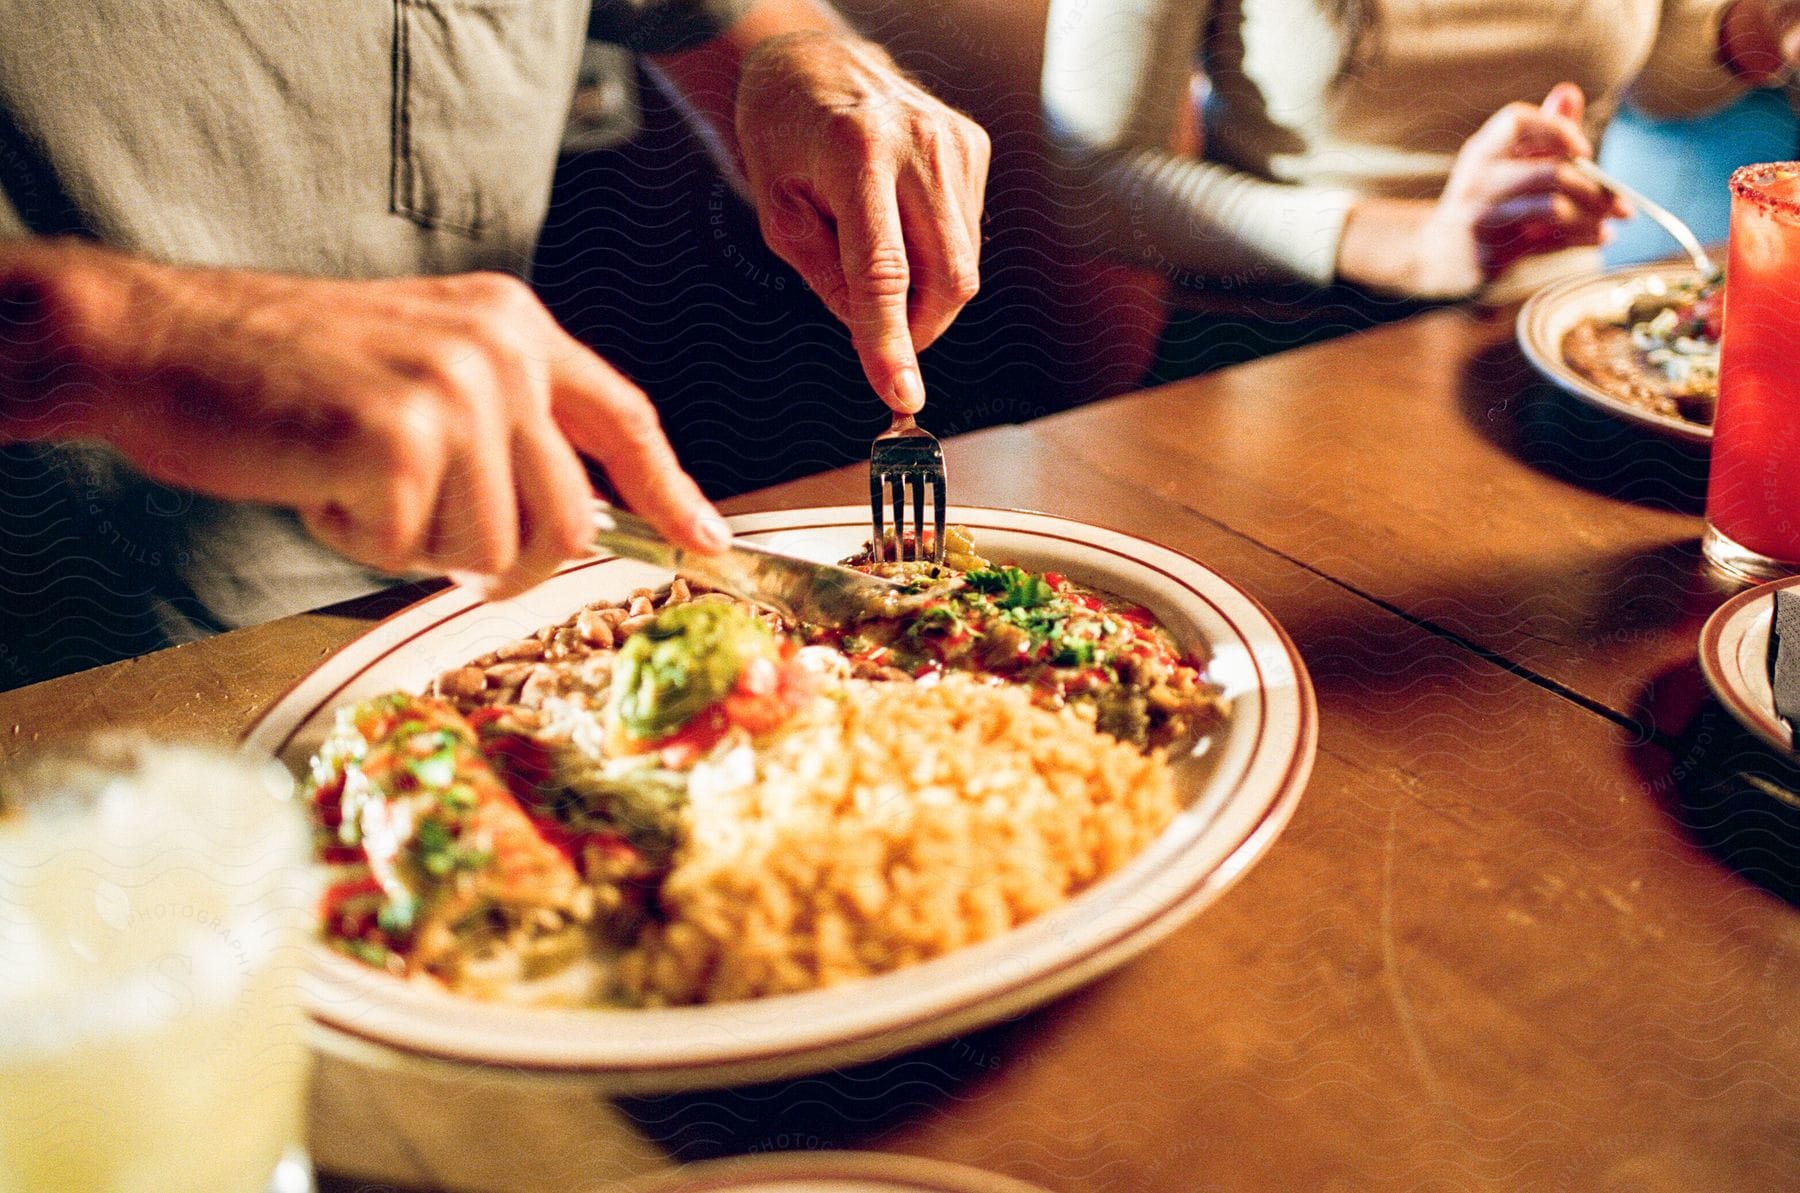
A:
(485, 716)
(1709, 312)
(758, 714)
(523, 764)
(330, 792)
(614, 845)
(349, 888)
(1137, 615)
(332, 904)
(685, 746)
(766, 696)
(1055, 579)
(340, 854)
(574, 845)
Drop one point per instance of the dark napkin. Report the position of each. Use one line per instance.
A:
(1784, 657)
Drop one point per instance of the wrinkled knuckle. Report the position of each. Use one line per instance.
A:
(977, 154)
(384, 543)
(493, 555)
(568, 538)
(884, 274)
(462, 375)
(963, 281)
(483, 545)
(497, 303)
(851, 133)
(974, 137)
(634, 421)
(403, 442)
(501, 291)
(833, 289)
(782, 221)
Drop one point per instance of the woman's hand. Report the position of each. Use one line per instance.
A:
(414, 424)
(1760, 39)
(870, 188)
(1511, 194)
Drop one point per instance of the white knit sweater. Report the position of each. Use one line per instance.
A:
(1297, 127)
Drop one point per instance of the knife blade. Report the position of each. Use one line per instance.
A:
(799, 589)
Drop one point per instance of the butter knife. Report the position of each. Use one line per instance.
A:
(800, 590)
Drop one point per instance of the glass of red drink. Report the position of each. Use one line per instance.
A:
(1753, 496)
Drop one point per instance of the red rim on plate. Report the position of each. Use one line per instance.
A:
(1250, 792)
(1722, 639)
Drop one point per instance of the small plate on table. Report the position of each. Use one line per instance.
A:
(1734, 657)
(1239, 786)
(832, 1172)
(1550, 314)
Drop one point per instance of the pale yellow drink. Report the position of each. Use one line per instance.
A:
(151, 918)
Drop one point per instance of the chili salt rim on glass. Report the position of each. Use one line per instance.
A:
(1750, 184)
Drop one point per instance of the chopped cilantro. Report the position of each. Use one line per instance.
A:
(1014, 587)
(936, 620)
(436, 848)
(458, 797)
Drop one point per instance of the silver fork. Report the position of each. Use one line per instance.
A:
(905, 460)
(1671, 223)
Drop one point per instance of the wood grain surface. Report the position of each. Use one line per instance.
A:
(1489, 953)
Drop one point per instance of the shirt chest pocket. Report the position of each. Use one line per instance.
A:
(481, 91)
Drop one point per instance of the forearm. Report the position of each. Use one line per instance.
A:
(1203, 219)
(58, 299)
(705, 78)
(1379, 250)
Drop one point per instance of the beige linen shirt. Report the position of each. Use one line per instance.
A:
(349, 138)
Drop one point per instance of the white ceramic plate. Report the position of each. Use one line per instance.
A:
(1548, 315)
(1734, 657)
(1241, 785)
(832, 1172)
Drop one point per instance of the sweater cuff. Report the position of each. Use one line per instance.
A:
(1222, 223)
(1300, 228)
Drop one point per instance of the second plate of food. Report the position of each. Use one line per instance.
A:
(1639, 342)
(912, 853)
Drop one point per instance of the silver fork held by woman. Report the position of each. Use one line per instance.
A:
(1671, 223)
(904, 461)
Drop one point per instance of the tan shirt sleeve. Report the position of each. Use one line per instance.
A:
(1115, 73)
(1683, 75)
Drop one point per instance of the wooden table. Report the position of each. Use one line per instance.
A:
(1488, 953)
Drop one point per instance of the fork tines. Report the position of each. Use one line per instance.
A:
(903, 463)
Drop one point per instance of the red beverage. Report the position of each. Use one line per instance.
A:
(1753, 496)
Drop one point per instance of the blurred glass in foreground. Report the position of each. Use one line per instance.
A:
(152, 910)
(1753, 494)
